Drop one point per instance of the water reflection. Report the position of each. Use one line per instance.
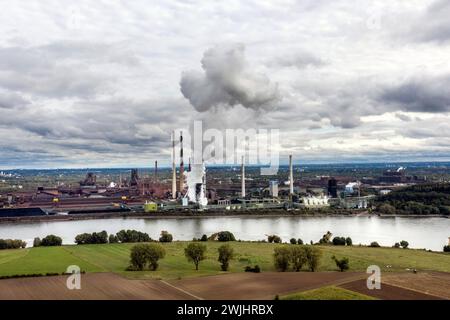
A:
(429, 233)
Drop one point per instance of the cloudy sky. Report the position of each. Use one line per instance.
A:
(103, 83)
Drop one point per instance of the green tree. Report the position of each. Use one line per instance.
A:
(339, 241)
(226, 253)
(293, 241)
(139, 256)
(113, 239)
(348, 241)
(297, 257)
(195, 252)
(273, 239)
(36, 242)
(313, 256)
(154, 253)
(204, 238)
(225, 236)
(387, 209)
(165, 237)
(447, 248)
(342, 264)
(404, 244)
(374, 244)
(282, 257)
(299, 241)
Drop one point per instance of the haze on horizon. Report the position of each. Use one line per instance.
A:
(103, 84)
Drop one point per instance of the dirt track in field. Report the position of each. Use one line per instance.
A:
(262, 286)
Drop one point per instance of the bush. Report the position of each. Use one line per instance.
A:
(404, 244)
(256, 269)
(143, 254)
(348, 241)
(51, 240)
(299, 241)
(282, 257)
(397, 245)
(195, 252)
(293, 241)
(12, 244)
(36, 242)
(297, 257)
(447, 248)
(225, 236)
(339, 241)
(125, 236)
(113, 239)
(226, 253)
(342, 264)
(313, 256)
(374, 244)
(92, 238)
(204, 238)
(273, 239)
(387, 209)
(165, 237)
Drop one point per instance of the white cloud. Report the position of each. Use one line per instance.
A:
(81, 82)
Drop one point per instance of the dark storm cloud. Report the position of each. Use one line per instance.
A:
(61, 69)
(430, 94)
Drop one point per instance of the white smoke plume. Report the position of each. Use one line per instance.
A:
(193, 178)
(227, 80)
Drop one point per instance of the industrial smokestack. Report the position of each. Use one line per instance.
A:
(174, 170)
(243, 177)
(181, 163)
(156, 170)
(291, 176)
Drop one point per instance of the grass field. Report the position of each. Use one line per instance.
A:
(115, 258)
(327, 293)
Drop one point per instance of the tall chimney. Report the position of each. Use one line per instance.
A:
(291, 176)
(243, 178)
(189, 165)
(156, 170)
(174, 169)
(181, 163)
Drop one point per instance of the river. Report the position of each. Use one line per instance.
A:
(428, 233)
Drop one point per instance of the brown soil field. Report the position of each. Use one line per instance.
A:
(388, 292)
(108, 286)
(94, 286)
(261, 286)
(230, 286)
(432, 283)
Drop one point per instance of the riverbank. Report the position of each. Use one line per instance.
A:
(256, 213)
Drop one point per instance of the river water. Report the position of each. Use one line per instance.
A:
(428, 233)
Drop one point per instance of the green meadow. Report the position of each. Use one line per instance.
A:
(115, 258)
